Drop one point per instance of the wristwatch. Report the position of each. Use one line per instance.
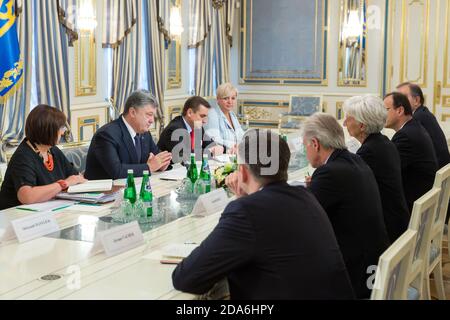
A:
(64, 185)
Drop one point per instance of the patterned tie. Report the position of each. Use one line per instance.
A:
(192, 141)
(137, 140)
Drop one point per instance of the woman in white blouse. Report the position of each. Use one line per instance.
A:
(223, 125)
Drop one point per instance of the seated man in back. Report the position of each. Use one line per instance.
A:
(126, 142)
(427, 120)
(186, 133)
(346, 188)
(417, 154)
(274, 241)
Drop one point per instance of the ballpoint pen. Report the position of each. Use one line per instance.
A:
(27, 209)
(167, 179)
(60, 208)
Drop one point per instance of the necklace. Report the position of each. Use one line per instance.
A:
(49, 163)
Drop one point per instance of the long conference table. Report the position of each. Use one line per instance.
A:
(64, 266)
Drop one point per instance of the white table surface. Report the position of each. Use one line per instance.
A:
(130, 275)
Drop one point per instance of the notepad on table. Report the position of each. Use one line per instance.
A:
(177, 174)
(174, 253)
(91, 197)
(92, 186)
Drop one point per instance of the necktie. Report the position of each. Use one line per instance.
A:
(137, 140)
(192, 141)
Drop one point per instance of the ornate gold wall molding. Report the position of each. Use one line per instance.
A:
(414, 27)
(446, 53)
(247, 74)
(85, 65)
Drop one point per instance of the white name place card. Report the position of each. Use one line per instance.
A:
(7, 233)
(119, 239)
(210, 203)
(35, 226)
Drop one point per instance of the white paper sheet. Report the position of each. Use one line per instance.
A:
(178, 250)
(47, 206)
(177, 174)
(92, 186)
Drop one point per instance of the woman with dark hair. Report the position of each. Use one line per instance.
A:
(38, 170)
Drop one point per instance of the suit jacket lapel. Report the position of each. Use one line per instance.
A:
(126, 138)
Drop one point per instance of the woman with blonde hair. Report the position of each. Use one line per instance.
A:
(365, 117)
(223, 125)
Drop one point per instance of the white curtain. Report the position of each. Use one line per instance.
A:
(51, 57)
(211, 36)
(122, 34)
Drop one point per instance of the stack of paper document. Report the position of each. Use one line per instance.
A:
(88, 197)
(177, 174)
(174, 253)
(297, 183)
(92, 186)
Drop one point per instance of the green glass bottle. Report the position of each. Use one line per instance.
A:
(146, 194)
(130, 190)
(205, 175)
(192, 172)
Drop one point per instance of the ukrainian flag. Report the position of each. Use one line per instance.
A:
(11, 64)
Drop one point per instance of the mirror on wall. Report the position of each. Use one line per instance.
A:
(352, 60)
(85, 50)
(174, 48)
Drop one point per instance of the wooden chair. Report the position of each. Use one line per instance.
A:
(434, 265)
(423, 213)
(391, 281)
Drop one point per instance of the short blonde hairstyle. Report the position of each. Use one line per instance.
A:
(226, 90)
(368, 110)
(324, 128)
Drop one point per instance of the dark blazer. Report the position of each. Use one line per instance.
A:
(346, 188)
(429, 122)
(274, 244)
(165, 142)
(418, 160)
(382, 157)
(112, 152)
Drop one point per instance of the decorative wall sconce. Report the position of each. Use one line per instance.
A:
(85, 50)
(86, 20)
(352, 44)
(174, 47)
(176, 23)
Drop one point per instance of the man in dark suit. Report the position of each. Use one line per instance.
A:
(274, 242)
(185, 133)
(346, 188)
(417, 155)
(126, 143)
(427, 120)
